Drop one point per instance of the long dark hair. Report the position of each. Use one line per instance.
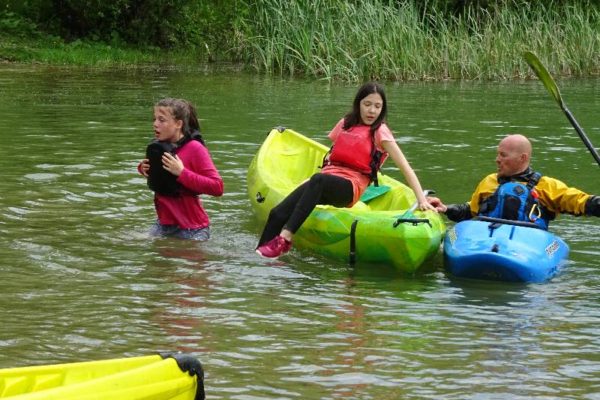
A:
(184, 111)
(353, 117)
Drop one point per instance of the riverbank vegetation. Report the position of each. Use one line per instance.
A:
(329, 39)
(351, 40)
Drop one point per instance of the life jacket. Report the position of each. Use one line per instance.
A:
(160, 180)
(355, 148)
(517, 201)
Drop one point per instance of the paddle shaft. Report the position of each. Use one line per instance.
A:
(582, 135)
(545, 77)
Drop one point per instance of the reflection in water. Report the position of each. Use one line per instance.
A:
(82, 280)
(181, 319)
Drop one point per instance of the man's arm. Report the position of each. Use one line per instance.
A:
(458, 212)
(454, 212)
(592, 206)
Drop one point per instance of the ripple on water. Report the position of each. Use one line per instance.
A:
(42, 176)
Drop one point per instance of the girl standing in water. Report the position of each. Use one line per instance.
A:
(179, 169)
(361, 143)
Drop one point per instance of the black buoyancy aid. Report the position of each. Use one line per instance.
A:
(517, 201)
(160, 180)
(355, 148)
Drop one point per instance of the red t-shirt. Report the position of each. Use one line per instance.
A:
(199, 176)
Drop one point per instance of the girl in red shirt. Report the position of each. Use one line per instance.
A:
(190, 170)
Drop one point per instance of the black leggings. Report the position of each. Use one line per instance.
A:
(297, 206)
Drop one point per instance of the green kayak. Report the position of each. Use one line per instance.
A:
(382, 228)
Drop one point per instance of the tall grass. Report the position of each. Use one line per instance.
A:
(393, 40)
(353, 40)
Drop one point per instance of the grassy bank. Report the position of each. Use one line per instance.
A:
(55, 51)
(22, 42)
(357, 40)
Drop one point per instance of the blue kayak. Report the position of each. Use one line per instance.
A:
(503, 250)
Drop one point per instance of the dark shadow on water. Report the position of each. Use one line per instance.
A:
(489, 292)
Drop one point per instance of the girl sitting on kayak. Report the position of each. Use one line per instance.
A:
(361, 143)
(179, 169)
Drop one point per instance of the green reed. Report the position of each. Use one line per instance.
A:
(385, 39)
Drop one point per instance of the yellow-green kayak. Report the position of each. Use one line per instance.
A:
(380, 229)
(158, 377)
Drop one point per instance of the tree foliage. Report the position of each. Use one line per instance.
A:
(207, 24)
(160, 23)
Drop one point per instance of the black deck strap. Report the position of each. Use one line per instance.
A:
(352, 259)
(493, 220)
(494, 225)
(191, 365)
(280, 128)
(413, 221)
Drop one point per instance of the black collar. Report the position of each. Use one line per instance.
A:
(524, 176)
(195, 135)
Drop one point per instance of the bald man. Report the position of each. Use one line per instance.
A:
(516, 192)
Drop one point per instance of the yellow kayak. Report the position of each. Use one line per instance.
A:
(381, 228)
(157, 377)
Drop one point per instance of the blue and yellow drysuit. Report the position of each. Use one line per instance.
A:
(541, 199)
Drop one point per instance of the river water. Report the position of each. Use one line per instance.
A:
(81, 280)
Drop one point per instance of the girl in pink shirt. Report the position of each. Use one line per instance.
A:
(189, 168)
(362, 141)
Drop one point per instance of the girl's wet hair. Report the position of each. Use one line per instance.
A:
(353, 117)
(184, 111)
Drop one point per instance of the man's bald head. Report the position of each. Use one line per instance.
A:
(514, 155)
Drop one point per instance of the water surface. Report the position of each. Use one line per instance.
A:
(81, 279)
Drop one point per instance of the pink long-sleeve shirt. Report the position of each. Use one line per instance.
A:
(199, 176)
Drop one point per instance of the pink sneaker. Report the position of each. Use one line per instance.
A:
(274, 247)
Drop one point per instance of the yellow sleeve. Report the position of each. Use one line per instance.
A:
(485, 189)
(557, 197)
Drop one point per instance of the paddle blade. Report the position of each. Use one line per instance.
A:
(544, 76)
(373, 192)
(547, 80)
